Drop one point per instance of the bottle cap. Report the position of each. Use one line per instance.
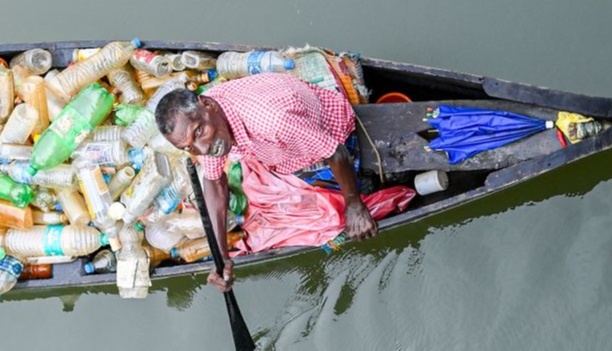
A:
(31, 170)
(104, 239)
(139, 226)
(107, 177)
(175, 253)
(289, 64)
(137, 158)
(239, 219)
(116, 210)
(136, 43)
(212, 74)
(89, 268)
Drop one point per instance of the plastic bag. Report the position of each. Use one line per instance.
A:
(286, 211)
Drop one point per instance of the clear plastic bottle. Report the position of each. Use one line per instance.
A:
(10, 269)
(15, 217)
(74, 78)
(97, 196)
(74, 207)
(38, 61)
(158, 236)
(196, 249)
(18, 194)
(61, 176)
(7, 94)
(54, 104)
(54, 240)
(176, 61)
(103, 262)
(43, 199)
(19, 125)
(154, 176)
(86, 111)
(36, 271)
(165, 88)
(10, 152)
(236, 64)
(133, 278)
(140, 131)
(123, 79)
(121, 181)
(172, 195)
(106, 133)
(103, 153)
(160, 144)
(79, 55)
(46, 218)
(145, 60)
(198, 60)
(34, 93)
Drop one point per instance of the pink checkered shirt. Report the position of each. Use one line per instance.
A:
(281, 121)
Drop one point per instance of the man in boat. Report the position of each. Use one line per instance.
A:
(276, 119)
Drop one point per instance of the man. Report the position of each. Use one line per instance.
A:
(281, 121)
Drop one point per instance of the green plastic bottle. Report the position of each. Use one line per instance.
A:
(19, 194)
(86, 111)
(237, 198)
(126, 114)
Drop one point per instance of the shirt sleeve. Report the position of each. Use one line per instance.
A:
(212, 167)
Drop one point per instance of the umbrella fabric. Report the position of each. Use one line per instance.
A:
(466, 131)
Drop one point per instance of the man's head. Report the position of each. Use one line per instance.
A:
(194, 123)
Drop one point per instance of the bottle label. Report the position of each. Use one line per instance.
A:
(12, 266)
(99, 153)
(144, 56)
(254, 62)
(70, 126)
(167, 200)
(53, 240)
(96, 179)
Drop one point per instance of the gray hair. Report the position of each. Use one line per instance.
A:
(177, 102)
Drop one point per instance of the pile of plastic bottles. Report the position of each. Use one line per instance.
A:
(84, 170)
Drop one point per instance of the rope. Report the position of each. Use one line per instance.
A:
(374, 149)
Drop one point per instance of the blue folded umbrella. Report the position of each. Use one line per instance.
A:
(466, 131)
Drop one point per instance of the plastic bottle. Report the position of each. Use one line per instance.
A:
(165, 88)
(198, 60)
(106, 133)
(7, 94)
(145, 60)
(195, 249)
(19, 125)
(79, 55)
(54, 240)
(133, 278)
(54, 104)
(103, 153)
(334, 244)
(88, 109)
(204, 77)
(121, 181)
(36, 271)
(10, 269)
(37, 61)
(97, 197)
(74, 207)
(104, 262)
(123, 79)
(238, 201)
(19, 194)
(156, 256)
(154, 176)
(61, 176)
(176, 61)
(11, 152)
(160, 144)
(43, 199)
(235, 64)
(158, 236)
(74, 78)
(172, 195)
(46, 218)
(34, 93)
(138, 133)
(15, 217)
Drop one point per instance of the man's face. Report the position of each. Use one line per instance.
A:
(207, 134)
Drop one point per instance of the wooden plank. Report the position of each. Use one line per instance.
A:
(394, 130)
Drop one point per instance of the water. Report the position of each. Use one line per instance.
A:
(526, 269)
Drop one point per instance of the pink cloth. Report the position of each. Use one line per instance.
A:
(280, 121)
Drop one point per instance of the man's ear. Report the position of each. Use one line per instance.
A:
(208, 102)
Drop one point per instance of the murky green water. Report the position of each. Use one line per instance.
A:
(526, 269)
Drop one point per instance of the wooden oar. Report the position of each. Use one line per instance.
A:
(240, 331)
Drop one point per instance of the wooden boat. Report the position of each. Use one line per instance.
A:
(397, 131)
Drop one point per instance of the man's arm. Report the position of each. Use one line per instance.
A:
(216, 195)
(359, 222)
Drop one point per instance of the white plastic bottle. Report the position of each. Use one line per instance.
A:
(105, 261)
(133, 278)
(235, 64)
(103, 153)
(106, 133)
(73, 79)
(121, 181)
(54, 240)
(47, 218)
(198, 60)
(7, 94)
(19, 125)
(145, 60)
(37, 61)
(10, 269)
(138, 133)
(176, 60)
(123, 79)
(158, 236)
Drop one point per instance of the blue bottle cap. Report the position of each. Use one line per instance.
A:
(137, 158)
(89, 268)
(289, 64)
(175, 253)
(58, 206)
(212, 74)
(107, 177)
(239, 219)
(136, 42)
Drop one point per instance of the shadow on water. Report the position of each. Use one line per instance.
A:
(318, 270)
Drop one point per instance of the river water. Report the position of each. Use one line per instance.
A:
(525, 269)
